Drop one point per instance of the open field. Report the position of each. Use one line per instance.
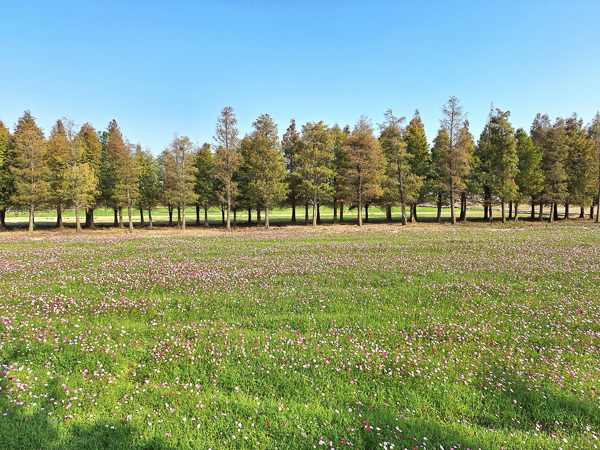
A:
(385, 337)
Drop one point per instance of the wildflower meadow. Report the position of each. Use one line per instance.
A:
(412, 338)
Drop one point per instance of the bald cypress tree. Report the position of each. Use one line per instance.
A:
(58, 150)
(552, 139)
(503, 158)
(227, 158)
(92, 156)
(290, 145)
(148, 183)
(112, 148)
(127, 174)
(438, 180)
(364, 167)
(403, 184)
(7, 185)
(30, 166)
(529, 177)
(340, 192)
(315, 165)
(179, 165)
(594, 134)
(204, 182)
(79, 181)
(420, 163)
(581, 165)
(457, 157)
(266, 164)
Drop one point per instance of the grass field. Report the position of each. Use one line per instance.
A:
(385, 337)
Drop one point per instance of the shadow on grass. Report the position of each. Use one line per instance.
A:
(37, 430)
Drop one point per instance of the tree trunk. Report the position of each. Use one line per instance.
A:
(306, 213)
(150, 225)
(516, 212)
(485, 208)
(179, 217)
(130, 219)
(205, 216)
(403, 214)
(314, 216)
(77, 221)
(335, 211)
(258, 216)
(249, 216)
(592, 212)
(228, 210)
(267, 216)
(439, 208)
(555, 211)
(366, 213)
(388, 213)
(532, 209)
(235, 217)
(413, 213)
(341, 212)
(197, 215)
(89, 219)
(293, 221)
(503, 211)
(121, 218)
(222, 215)
(183, 219)
(582, 213)
(31, 217)
(598, 207)
(566, 211)
(170, 208)
(541, 211)
(552, 206)
(319, 213)
(142, 222)
(59, 221)
(116, 221)
(463, 207)
(3, 219)
(452, 216)
(360, 221)
(510, 210)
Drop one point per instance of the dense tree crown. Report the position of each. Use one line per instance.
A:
(312, 165)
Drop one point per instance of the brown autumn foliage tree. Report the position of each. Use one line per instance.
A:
(364, 166)
(457, 158)
(127, 174)
(30, 166)
(179, 165)
(227, 158)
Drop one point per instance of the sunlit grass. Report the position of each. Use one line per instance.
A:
(414, 338)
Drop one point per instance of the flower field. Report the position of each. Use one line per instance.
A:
(448, 338)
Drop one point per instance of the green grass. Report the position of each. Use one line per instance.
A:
(463, 337)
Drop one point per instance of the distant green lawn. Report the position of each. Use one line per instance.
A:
(277, 216)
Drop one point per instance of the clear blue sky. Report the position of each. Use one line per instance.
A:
(160, 67)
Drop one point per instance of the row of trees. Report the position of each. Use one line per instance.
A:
(80, 168)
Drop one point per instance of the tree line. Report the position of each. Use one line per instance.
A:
(391, 165)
